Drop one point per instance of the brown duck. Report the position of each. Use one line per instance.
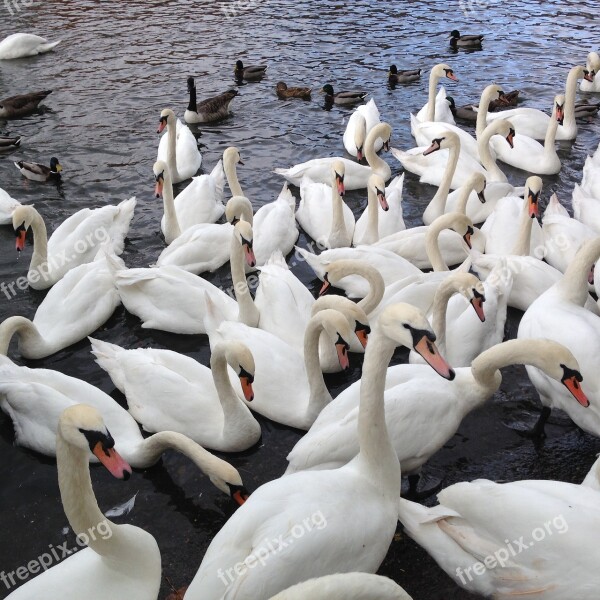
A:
(284, 92)
(20, 106)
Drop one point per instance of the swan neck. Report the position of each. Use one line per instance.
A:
(338, 233)
(30, 340)
(372, 232)
(172, 229)
(522, 246)
(377, 164)
(573, 285)
(549, 148)
(433, 81)
(225, 390)
(440, 306)
(489, 163)
(319, 394)
(232, 178)
(570, 94)
(482, 112)
(39, 258)
(463, 198)
(172, 150)
(432, 247)
(248, 313)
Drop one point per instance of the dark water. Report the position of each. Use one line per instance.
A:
(119, 64)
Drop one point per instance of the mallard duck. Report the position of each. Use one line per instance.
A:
(8, 143)
(251, 73)
(352, 97)
(20, 106)
(468, 112)
(37, 172)
(284, 92)
(395, 76)
(464, 41)
(209, 110)
(586, 109)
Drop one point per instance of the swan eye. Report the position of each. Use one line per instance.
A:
(98, 437)
(238, 492)
(246, 374)
(342, 342)
(160, 177)
(246, 242)
(20, 229)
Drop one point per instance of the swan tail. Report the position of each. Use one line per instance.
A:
(47, 47)
(107, 358)
(213, 316)
(218, 176)
(414, 124)
(286, 196)
(276, 259)
(122, 223)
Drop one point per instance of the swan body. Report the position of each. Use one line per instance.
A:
(178, 148)
(437, 107)
(20, 45)
(167, 391)
(586, 208)
(356, 176)
(7, 206)
(86, 230)
(590, 182)
(370, 113)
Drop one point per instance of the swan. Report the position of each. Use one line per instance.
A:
(168, 391)
(476, 535)
(593, 64)
(501, 234)
(586, 208)
(528, 154)
(7, 206)
(81, 302)
(323, 214)
(200, 202)
(437, 109)
(366, 229)
(345, 586)
(19, 45)
(357, 176)
(424, 411)
(341, 530)
(178, 148)
(417, 244)
(590, 181)
(361, 121)
(300, 376)
(74, 242)
(35, 398)
(171, 299)
(559, 314)
(534, 123)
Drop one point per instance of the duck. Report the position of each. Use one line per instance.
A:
(464, 41)
(39, 172)
(7, 206)
(74, 242)
(372, 480)
(345, 586)
(356, 176)
(419, 423)
(284, 92)
(200, 202)
(344, 98)
(9, 143)
(405, 76)
(470, 112)
(178, 148)
(20, 45)
(592, 64)
(81, 302)
(361, 121)
(437, 108)
(21, 106)
(528, 154)
(171, 299)
(209, 110)
(366, 229)
(322, 213)
(168, 391)
(249, 73)
(559, 314)
(586, 109)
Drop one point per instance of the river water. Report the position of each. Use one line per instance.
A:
(119, 64)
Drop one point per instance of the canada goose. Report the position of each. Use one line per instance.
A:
(20, 106)
(209, 110)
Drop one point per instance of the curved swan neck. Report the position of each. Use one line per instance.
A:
(376, 163)
(437, 205)
(319, 394)
(432, 247)
(172, 229)
(248, 313)
(522, 246)
(230, 402)
(549, 149)
(445, 291)
(172, 150)
(377, 456)
(372, 231)
(30, 340)
(573, 285)
(482, 111)
(39, 258)
(338, 236)
(488, 162)
(463, 197)
(79, 501)
(433, 81)
(232, 179)
(570, 94)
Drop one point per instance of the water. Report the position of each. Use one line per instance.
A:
(118, 66)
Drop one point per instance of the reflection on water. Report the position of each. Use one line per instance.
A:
(119, 64)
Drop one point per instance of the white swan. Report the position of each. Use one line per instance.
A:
(528, 154)
(20, 45)
(361, 121)
(171, 299)
(7, 206)
(437, 108)
(81, 302)
(322, 213)
(345, 586)
(340, 531)
(75, 241)
(502, 236)
(593, 64)
(178, 148)
(391, 220)
(559, 314)
(586, 208)
(200, 202)
(534, 123)
(357, 176)
(168, 391)
(590, 181)
(366, 229)
(424, 411)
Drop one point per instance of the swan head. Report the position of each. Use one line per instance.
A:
(243, 233)
(405, 325)
(501, 127)
(22, 218)
(240, 359)
(592, 66)
(336, 327)
(357, 318)
(231, 157)
(448, 139)
(167, 117)
(533, 189)
(82, 426)
(458, 222)
(471, 288)
(383, 131)
(493, 92)
(477, 182)
(238, 208)
(339, 171)
(377, 186)
(360, 135)
(339, 269)
(559, 108)
(161, 172)
(443, 70)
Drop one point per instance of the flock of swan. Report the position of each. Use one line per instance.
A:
(269, 353)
